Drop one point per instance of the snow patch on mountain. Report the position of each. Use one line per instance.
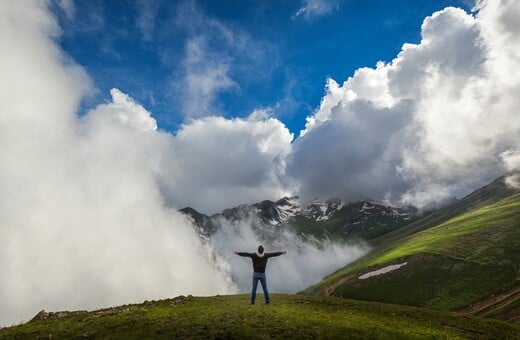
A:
(382, 271)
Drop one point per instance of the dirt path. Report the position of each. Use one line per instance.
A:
(488, 306)
(331, 288)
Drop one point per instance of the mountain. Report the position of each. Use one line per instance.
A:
(329, 219)
(463, 257)
(488, 194)
(231, 317)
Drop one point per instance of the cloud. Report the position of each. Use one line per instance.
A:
(124, 110)
(217, 58)
(145, 21)
(430, 125)
(211, 163)
(84, 224)
(513, 180)
(511, 159)
(68, 7)
(304, 264)
(316, 8)
(217, 163)
(206, 76)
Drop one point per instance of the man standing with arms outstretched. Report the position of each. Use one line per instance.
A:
(259, 263)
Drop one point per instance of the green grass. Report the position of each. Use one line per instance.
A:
(466, 258)
(289, 316)
(485, 196)
(502, 311)
(432, 281)
(505, 306)
(474, 236)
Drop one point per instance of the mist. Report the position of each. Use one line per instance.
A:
(83, 221)
(306, 261)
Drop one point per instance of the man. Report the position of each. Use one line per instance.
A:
(259, 263)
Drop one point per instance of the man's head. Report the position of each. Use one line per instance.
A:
(260, 249)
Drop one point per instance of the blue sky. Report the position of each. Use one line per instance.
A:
(237, 55)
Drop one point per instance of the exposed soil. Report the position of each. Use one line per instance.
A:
(489, 306)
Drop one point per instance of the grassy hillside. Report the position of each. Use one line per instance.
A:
(461, 261)
(289, 316)
(504, 306)
(487, 195)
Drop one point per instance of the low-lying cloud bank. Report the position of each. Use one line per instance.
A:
(83, 222)
(306, 262)
(88, 204)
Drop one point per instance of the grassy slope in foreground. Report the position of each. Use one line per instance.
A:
(289, 316)
(461, 261)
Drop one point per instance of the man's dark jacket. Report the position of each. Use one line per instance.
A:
(259, 262)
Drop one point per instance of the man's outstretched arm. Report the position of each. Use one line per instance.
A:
(243, 254)
(278, 253)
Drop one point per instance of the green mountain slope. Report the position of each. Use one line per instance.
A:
(289, 316)
(489, 194)
(454, 264)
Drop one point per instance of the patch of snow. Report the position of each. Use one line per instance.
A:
(274, 222)
(383, 270)
(294, 202)
(366, 206)
(287, 210)
(290, 210)
(398, 213)
(323, 209)
(322, 218)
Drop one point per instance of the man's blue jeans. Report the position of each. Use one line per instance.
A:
(259, 277)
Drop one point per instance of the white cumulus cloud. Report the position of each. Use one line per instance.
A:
(217, 163)
(430, 125)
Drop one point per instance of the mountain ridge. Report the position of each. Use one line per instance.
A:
(318, 219)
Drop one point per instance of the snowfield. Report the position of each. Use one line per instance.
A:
(383, 270)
